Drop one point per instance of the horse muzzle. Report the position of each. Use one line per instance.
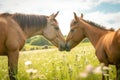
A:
(62, 47)
(67, 45)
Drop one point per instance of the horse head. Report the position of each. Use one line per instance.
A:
(76, 33)
(52, 32)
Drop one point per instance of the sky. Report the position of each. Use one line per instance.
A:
(103, 12)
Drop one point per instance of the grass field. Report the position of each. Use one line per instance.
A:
(50, 64)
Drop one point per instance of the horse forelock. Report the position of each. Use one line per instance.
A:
(30, 21)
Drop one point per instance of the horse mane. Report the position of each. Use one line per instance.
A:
(98, 26)
(5, 14)
(30, 21)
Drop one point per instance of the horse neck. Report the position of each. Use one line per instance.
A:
(31, 25)
(30, 32)
(93, 33)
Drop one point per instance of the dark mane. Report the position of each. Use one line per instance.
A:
(5, 14)
(29, 21)
(98, 26)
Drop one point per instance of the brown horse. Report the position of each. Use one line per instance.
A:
(16, 28)
(105, 41)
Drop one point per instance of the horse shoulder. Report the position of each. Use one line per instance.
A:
(100, 51)
(111, 48)
(15, 36)
(108, 40)
(3, 31)
(103, 47)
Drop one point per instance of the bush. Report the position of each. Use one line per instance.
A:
(45, 47)
(40, 41)
(32, 38)
(86, 40)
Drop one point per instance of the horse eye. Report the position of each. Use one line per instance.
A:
(56, 28)
(72, 30)
(75, 22)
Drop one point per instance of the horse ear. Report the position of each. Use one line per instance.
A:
(56, 14)
(52, 16)
(75, 17)
(81, 15)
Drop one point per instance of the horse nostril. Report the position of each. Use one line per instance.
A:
(67, 47)
(62, 47)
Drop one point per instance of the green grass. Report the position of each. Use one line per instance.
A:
(51, 64)
(29, 47)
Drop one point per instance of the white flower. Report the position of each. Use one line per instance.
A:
(27, 63)
(97, 70)
(89, 68)
(106, 74)
(83, 75)
(31, 71)
(106, 68)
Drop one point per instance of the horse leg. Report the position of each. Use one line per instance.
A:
(103, 76)
(118, 72)
(13, 64)
(102, 57)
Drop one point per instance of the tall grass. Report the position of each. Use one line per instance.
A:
(51, 64)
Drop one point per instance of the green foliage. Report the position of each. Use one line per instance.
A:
(32, 38)
(86, 40)
(38, 41)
